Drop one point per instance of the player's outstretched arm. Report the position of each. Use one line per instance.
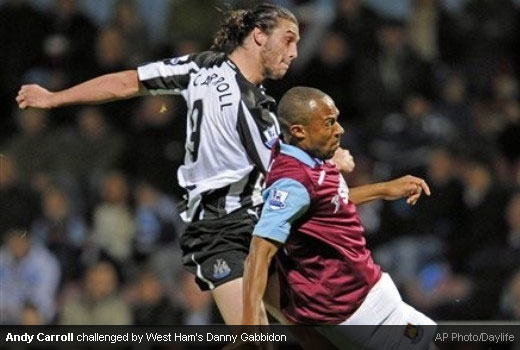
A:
(105, 88)
(407, 186)
(261, 252)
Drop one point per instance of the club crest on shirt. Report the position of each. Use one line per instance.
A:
(278, 199)
(221, 269)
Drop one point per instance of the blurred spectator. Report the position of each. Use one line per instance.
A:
(489, 30)
(500, 108)
(127, 19)
(98, 302)
(395, 71)
(441, 293)
(31, 316)
(422, 29)
(453, 103)
(42, 154)
(111, 51)
(484, 204)
(28, 273)
(497, 261)
(358, 23)
(441, 215)
(33, 148)
(184, 28)
(157, 147)
(198, 307)
(111, 55)
(168, 255)
(22, 30)
(432, 31)
(332, 70)
(113, 223)
(69, 47)
(157, 220)
(62, 231)
(96, 149)
(314, 18)
(403, 140)
(508, 138)
(19, 204)
(510, 303)
(424, 234)
(151, 306)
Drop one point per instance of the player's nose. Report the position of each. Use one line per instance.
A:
(293, 51)
(339, 129)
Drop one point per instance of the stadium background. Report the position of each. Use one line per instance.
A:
(86, 193)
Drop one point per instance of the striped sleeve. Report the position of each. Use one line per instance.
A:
(166, 77)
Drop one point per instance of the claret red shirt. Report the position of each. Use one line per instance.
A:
(325, 268)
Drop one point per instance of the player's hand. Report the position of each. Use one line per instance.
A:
(344, 161)
(407, 186)
(34, 96)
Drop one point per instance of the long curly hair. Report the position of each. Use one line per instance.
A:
(237, 25)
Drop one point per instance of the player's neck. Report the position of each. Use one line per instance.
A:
(249, 64)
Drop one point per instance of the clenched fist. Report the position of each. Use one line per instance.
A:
(34, 96)
(344, 160)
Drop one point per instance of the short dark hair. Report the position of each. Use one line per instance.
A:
(294, 107)
(237, 25)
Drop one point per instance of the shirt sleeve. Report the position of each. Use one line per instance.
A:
(167, 77)
(286, 200)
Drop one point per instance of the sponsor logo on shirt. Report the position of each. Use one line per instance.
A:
(221, 269)
(177, 60)
(271, 136)
(335, 203)
(343, 189)
(278, 199)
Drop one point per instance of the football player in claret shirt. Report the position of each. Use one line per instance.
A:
(311, 226)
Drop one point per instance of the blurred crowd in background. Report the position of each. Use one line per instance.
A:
(88, 195)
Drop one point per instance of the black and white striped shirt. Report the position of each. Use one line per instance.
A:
(231, 126)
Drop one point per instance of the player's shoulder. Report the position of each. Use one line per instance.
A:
(284, 166)
(208, 59)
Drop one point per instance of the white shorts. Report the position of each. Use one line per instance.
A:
(404, 327)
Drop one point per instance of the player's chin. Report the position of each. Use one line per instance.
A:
(329, 154)
(279, 74)
(331, 151)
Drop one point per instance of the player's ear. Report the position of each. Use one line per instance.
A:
(298, 131)
(259, 36)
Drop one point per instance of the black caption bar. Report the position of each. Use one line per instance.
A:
(446, 337)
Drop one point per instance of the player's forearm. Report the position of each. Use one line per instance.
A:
(255, 283)
(366, 193)
(109, 87)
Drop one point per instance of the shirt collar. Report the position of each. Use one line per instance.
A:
(299, 154)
